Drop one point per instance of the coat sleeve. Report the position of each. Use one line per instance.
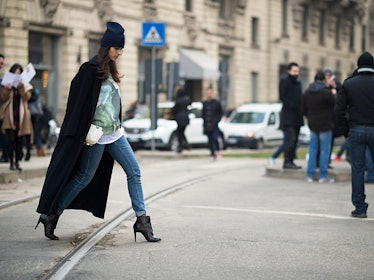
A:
(283, 91)
(304, 107)
(4, 93)
(340, 112)
(25, 92)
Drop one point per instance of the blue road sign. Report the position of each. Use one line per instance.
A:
(153, 34)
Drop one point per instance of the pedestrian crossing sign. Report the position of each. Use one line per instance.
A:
(153, 34)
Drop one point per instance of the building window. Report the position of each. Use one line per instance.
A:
(254, 37)
(363, 38)
(227, 9)
(93, 47)
(337, 32)
(352, 36)
(188, 5)
(224, 80)
(304, 29)
(285, 18)
(254, 80)
(43, 55)
(322, 26)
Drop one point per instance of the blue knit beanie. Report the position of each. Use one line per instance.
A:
(113, 36)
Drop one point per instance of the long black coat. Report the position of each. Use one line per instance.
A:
(83, 97)
(290, 94)
(212, 114)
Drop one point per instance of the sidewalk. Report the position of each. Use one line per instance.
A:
(341, 171)
(37, 166)
(16, 186)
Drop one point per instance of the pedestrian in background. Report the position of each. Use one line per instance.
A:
(180, 111)
(3, 138)
(79, 173)
(17, 119)
(212, 114)
(290, 94)
(354, 115)
(318, 106)
(334, 85)
(36, 111)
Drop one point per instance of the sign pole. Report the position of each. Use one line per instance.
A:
(153, 99)
(153, 35)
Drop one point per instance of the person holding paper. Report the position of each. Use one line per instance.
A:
(17, 118)
(3, 139)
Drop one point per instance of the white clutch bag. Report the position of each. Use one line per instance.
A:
(93, 135)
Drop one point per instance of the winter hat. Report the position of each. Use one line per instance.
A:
(328, 70)
(113, 36)
(365, 60)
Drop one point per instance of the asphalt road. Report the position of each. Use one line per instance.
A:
(227, 221)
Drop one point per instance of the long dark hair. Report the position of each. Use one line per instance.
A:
(107, 66)
(15, 67)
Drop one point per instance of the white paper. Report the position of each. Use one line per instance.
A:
(14, 79)
(11, 79)
(28, 74)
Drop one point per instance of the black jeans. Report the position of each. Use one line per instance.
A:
(291, 137)
(181, 137)
(14, 146)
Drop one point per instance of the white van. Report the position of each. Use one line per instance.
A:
(254, 126)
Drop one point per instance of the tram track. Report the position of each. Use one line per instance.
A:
(64, 263)
(14, 202)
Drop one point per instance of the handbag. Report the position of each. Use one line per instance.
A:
(93, 135)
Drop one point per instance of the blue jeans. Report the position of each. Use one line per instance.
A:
(359, 138)
(121, 151)
(281, 147)
(323, 140)
(213, 142)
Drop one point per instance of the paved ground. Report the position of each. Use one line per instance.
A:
(12, 187)
(234, 223)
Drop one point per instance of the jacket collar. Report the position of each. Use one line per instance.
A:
(365, 69)
(94, 60)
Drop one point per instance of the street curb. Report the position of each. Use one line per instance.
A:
(7, 177)
(300, 174)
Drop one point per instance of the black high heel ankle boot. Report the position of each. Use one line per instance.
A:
(143, 225)
(49, 223)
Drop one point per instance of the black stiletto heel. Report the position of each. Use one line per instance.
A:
(143, 225)
(49, 226)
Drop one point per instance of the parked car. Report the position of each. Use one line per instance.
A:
(304, 135)
(139, 134)
(254, 126)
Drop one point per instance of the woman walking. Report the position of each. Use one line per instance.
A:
(180, 111)
(17, 118)
(79, 174)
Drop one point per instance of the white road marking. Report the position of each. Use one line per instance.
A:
(276, 212)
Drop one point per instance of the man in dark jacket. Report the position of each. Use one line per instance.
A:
(212, 114)
(318, 105)
(354, 115)
(290, 94)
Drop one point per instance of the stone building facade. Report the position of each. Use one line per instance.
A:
(239, 47)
